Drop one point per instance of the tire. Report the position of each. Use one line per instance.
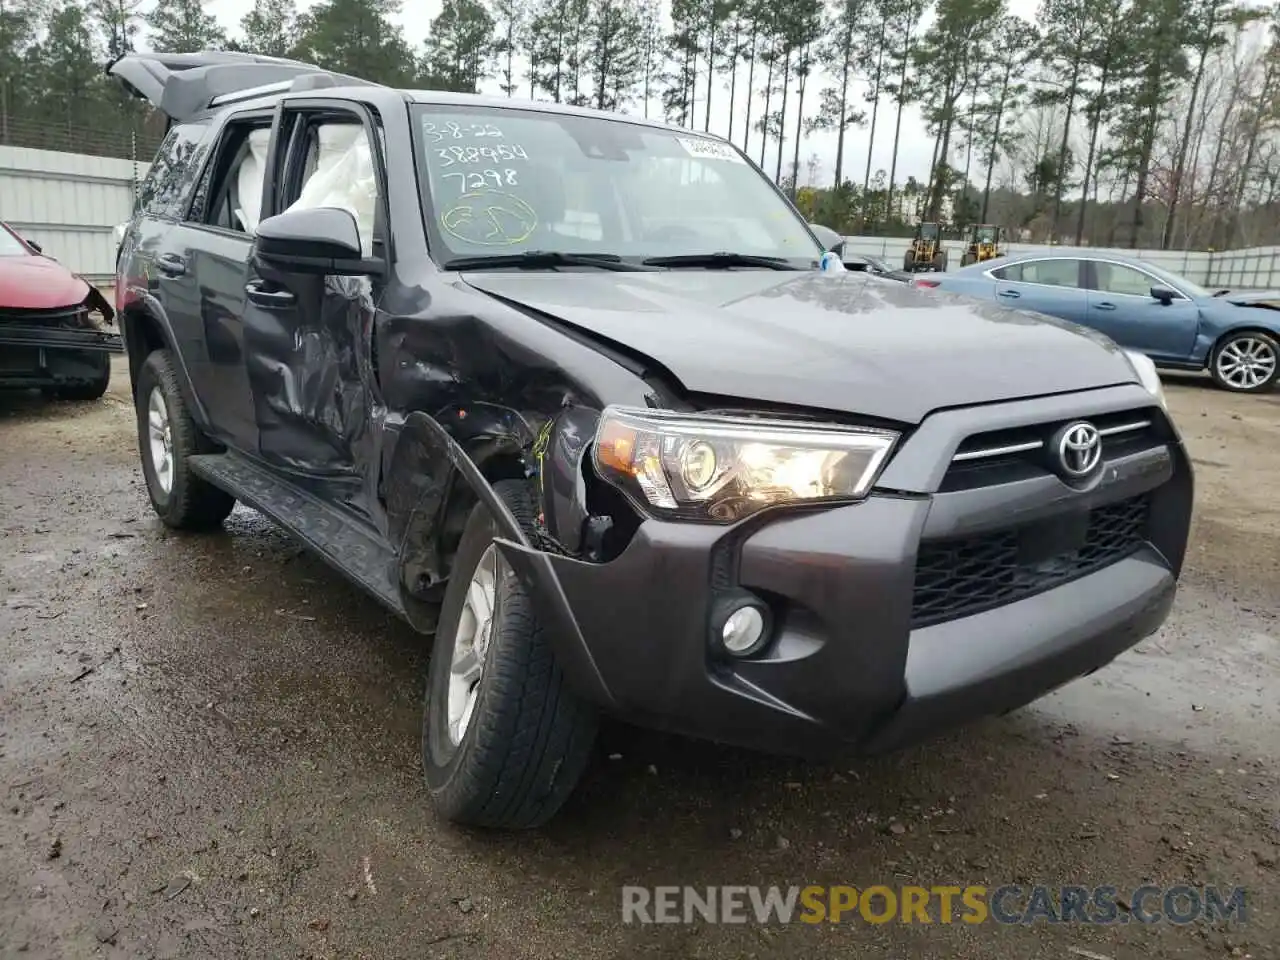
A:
(83, 391)
(187, 502)
(1247, 361)
(908, 263)
(528, 737)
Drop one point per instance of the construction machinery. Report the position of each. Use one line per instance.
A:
(984, 244)
(926, 251)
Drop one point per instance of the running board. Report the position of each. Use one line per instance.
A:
(350, 547)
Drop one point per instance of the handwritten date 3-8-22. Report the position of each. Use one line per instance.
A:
(452, 130)
(488, 153)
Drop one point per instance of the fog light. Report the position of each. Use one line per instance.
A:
(743, 631)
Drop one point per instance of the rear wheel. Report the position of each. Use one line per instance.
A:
(966, 259)
(1246, 362)
(504, 740)
(167, 439)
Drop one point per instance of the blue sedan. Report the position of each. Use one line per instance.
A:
(1178, 324)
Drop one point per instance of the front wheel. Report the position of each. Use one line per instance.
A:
(167, 438)
(504, 739)
(1246, 362)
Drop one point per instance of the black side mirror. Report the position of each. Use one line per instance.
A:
(34, 246)
(830, 240)
(321, 240)
(1163, 294)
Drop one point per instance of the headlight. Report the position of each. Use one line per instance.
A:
(1147, 374)
(721, 469)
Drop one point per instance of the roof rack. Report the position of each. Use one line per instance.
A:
(184, 85)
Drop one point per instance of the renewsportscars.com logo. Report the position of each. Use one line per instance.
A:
(1010, 904)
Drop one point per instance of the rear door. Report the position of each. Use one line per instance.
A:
(211, 248)
(161, 247)
(1051, 285)
(1121, 306)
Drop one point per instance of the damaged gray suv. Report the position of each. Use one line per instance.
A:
(570, 392)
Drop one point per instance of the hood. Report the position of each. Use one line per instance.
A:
(1252, 298)
(38, 283)
(845, 342)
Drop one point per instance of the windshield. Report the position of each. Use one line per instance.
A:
(11, 246)
(504, 181)
(986, 234)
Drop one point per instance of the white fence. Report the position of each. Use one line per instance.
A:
(1255, 268)
(68, 203)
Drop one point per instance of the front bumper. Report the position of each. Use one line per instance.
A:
(856, 665)
(32, 355)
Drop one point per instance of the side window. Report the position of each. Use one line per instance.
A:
(332, 164)
(230, 192)
(174, 170)
(1117, 278)
(1012, 273)
(1052, 273)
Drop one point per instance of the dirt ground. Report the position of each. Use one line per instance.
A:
(209, 749)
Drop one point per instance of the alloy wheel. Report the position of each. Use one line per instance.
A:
(1246, 363)
(160, 435)
(471, 644)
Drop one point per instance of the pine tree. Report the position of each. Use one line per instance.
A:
(118, 21)
(357, 37)
(459, 51)
(184, 26)
(68, 57)
(614, 54)
(512, 23)
(271, 28)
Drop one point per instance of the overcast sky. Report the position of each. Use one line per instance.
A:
(914, 152)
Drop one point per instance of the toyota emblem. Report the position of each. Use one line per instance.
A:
(1079, 449)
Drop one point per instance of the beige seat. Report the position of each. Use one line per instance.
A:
(250, 180)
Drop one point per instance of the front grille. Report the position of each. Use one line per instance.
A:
(967, 575)
(1019, 453)
(76, 316)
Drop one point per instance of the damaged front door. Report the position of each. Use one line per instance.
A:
(309, 334)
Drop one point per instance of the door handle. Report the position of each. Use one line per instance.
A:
(271, 299)
(1105, 305)
(171, 265)
(1011, 294)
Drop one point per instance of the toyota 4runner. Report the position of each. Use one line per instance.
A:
(569, 391)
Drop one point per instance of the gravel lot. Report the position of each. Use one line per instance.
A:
(209, 749)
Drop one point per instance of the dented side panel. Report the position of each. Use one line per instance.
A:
(476, 391)
(315, 397)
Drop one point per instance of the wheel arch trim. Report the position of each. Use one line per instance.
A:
(427, 466)
(138, 318)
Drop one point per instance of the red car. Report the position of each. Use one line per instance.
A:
(51, 323)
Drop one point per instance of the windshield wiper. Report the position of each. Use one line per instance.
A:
(723, 259)
(541, 260)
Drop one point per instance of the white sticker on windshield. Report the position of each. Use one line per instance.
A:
(710, 149)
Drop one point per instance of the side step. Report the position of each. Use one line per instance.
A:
(349, 546)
